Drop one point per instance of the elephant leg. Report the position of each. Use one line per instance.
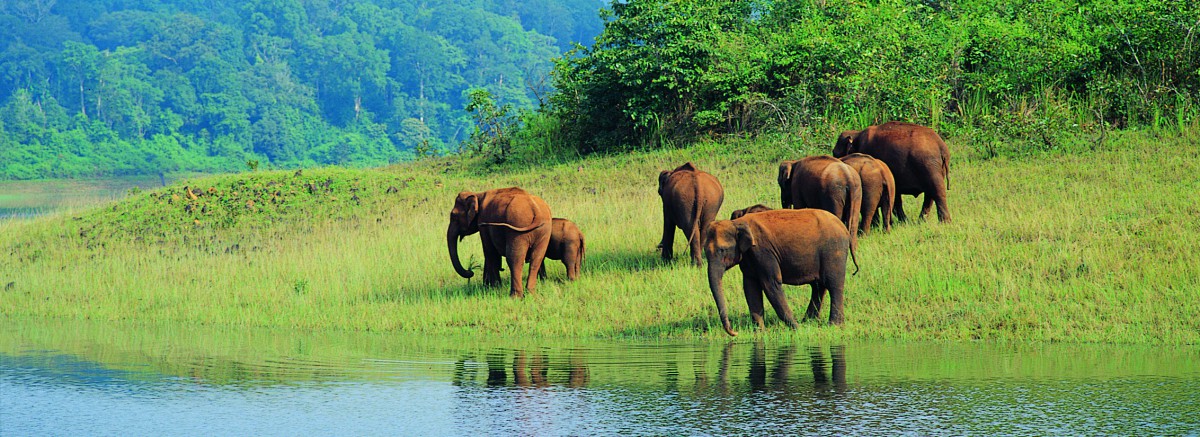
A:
(773, 288)
(696, 248)
(885, 209)
(491, 259)
(939, 196)
(537, 255)
(833, 278)
(814, 303)
(898, 209)
(868, 214)
(542, 271)
(571, 262)
(754, 298)
(572, 273)
(836, 314)
(926, 205)
(668, 238)
(518, 250)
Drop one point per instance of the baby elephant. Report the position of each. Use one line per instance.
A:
(751, 210)
(773, 248)
(566, 244)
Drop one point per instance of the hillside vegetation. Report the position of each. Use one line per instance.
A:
(102, 87)
(1095, 247)
(93, 88)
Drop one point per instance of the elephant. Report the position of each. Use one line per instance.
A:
(827, 183)
(878, 190)
(566, 244)
(917, 157)
(512, 223)
(751, 210)
(773, 248)
(691, 199)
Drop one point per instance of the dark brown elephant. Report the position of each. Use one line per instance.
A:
(773, 248)
(751, 210)
(826, 183)
(878, 190)
(916, 155)
(691, 199)
(566, 244)
(512, 223)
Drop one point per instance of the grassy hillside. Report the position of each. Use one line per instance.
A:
(1091, 247)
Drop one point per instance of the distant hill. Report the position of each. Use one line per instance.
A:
(110, 87)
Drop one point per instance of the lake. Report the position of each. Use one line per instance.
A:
(87, 378)
(28, 199)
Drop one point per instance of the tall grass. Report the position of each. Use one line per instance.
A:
(1096, 247)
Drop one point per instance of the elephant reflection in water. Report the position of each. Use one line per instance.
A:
(837, 380)
(533, 370)
(775, 375)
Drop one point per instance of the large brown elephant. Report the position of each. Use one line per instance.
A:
(878, 190)
(566, 244)
(773, 248)
(826, 183)
(512, 223)
(917, 156)
(691, 199)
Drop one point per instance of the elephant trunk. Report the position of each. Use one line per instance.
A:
(451, 234)
(716, 271)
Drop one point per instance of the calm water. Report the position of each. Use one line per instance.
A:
(30, 199)
(95, 379)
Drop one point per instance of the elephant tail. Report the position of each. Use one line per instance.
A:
(696, 208)
(853, 258)
(946, 169)
(518, 229)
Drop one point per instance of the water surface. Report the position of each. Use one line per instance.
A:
(98, 379)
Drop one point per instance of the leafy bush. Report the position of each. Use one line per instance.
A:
(666, 70)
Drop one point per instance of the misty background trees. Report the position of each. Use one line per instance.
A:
(112, 87)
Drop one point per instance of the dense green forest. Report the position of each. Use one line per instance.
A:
(102, 87)
(1020, 75)
(111, 87)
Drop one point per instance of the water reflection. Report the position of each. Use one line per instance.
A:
(97, 379)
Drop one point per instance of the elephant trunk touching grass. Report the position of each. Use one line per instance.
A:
(513, 226)
(716, 271)
(452, 245)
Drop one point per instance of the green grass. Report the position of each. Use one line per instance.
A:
(1096, 247)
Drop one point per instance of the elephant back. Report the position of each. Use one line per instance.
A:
(514, 207)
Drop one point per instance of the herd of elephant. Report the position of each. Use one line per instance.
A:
(826, 202)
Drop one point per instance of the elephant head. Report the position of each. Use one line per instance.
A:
(464, 221)
(751, 210)
(845, 143)
(724, 244)
(785, 183)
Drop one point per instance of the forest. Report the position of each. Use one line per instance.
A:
(1028, 74)
(115, 87)
(120, 87)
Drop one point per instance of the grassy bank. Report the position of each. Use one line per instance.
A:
(1088, 247)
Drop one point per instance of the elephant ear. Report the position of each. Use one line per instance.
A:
(662, 180)
(745, 237)
(785, 172)
(845, 143)
(471, 207)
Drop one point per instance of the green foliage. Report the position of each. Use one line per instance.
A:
(494, 125)
(176, 85)
(663, 71)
